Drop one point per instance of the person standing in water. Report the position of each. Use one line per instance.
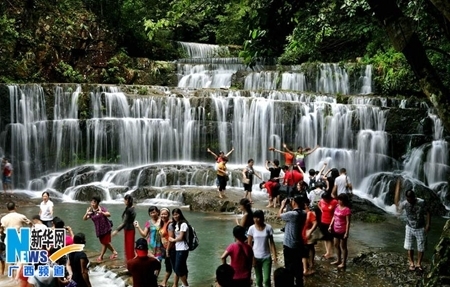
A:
(7, 171)
(128, 217)
(46, 209)
(247, 178)
(99, 215)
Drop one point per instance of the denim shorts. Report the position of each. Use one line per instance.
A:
(180, 266)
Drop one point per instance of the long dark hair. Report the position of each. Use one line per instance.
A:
(181, 218)
(130, 201)
(248, 208)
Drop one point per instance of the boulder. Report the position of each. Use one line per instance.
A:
(145, 192)
(85, 193)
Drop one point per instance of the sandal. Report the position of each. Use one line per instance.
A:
(419, 268)
(337, 262)
(412, 267)
(113, 256)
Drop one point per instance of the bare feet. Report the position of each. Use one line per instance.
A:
(341, 266)
(335, 262)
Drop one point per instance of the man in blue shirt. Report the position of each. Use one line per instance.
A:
(293, 244)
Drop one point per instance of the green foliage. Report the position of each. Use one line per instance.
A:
(116, 70)
(392, 74)
(68, 74)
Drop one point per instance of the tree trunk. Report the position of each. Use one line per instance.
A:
(404, 39)
(443, 6)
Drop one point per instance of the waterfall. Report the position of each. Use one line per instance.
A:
(197, 50)
(366, 79)
(265, 80)
(293, 81)
(127, 141)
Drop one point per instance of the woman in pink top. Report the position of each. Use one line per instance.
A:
(340, 226)
(241, 258)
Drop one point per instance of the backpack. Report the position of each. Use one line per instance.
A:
(192, 240)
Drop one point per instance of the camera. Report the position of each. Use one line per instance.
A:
(288, 200)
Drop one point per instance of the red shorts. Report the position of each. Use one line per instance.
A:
(105, 239)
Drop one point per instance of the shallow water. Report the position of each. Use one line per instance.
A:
(215, 233)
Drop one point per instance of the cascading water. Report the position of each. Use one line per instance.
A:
(159, 140)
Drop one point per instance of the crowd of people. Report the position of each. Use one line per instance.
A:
(315, 206)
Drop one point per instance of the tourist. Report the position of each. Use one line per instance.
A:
(293, 244)
(46, 209)
(274, 168)
(342, 184)
(166, 231)
(330, 177)
(301, 188)
(300, 155)
(219, 159)
(247, 179)
(14, 219)
(241, 255)
(222, 176)
(59, 224)
(417, 225)
(7, 171)
(247, 217)
(276, 173)
(327, 205)
(340, 227)
(127, 225)
(260, 236)
(271, 187)
(224, 276)
(151, 232)
(144, 269)
(2, 250)
(77, 265)
(283, 277)
(180, 226)
(99, 216)
(288, 157)
(308, 229)
(37, 222)
(39, 280)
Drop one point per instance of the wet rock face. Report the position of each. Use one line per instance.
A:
(85, 193)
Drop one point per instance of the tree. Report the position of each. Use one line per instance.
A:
(405, 39)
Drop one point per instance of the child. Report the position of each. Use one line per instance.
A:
(2, 250)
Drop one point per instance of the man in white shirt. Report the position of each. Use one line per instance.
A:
(342, 184)
(13, 218)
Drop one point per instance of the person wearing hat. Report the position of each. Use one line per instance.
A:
(293, 242)
(143, 268)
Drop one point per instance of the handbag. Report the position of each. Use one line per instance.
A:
(227, 178)
(245, 180)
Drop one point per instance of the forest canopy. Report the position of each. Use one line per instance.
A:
(37, 37)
